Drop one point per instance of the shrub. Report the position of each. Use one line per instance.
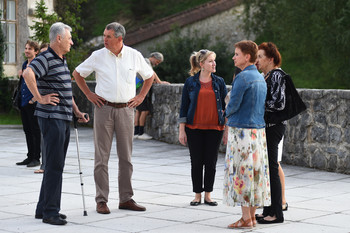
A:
(178, 49)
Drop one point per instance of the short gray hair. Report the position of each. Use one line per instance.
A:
(118, 29)
(58, 29)
(157, 55)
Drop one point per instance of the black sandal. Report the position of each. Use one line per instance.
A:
(259, 216)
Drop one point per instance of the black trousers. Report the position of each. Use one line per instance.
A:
(274, 135)
(32, 131)
(56, 134)
(204, 148)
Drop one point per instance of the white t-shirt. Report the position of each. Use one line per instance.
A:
(115, 75)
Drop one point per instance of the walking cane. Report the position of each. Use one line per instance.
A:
(75, 120)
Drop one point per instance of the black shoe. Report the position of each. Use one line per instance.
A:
(259, 216)
(277, 220)
(195, 203)
(211, 203)
(24, 162)
(285, 207)
(40, 216)
(55, 221)
(33, 163)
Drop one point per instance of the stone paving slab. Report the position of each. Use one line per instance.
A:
(318, 201)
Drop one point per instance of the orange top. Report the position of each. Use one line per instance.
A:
(206, 115)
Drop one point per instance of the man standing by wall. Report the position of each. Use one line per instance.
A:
(115, 66)
(54, 111)
(145, 107)
(27, 107)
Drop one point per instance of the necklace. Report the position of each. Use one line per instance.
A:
(206, 85)
(268, 73)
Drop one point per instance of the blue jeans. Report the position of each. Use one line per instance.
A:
(56, 134)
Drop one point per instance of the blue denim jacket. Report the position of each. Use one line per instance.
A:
(247, 100)
(190, 94)
(26, 95)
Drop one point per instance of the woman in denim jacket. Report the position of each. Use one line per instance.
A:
(202, 122)
(246, 174)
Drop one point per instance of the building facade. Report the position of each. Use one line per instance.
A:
(16, 17)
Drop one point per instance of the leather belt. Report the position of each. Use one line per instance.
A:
(116, 105)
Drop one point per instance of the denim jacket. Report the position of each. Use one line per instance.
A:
(190, 94)
(247, 101)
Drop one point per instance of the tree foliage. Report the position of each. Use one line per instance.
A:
(2, 51)
(177, 51)
(68, 12)
(4, 82)
(42, 23)
(313, 37)
(130, 13)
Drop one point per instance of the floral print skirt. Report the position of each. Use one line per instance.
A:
(246, 174)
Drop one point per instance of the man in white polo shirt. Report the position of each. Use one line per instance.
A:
(115, 66)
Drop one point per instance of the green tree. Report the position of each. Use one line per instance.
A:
(130, 13)
(2, 50)
(5, 95)
(313, 37)
(43, 23)
(70, 12)
(177, 51)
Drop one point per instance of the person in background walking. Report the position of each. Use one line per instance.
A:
(145, 107)
(246, 172)
(27, 107)
(201, 122)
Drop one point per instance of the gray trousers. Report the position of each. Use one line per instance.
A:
(107, 121)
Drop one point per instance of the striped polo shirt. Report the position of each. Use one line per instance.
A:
(53, 76)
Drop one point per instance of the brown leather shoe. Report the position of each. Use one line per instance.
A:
(131, 205)
(102, 208)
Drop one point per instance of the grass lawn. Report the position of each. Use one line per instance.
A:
(10, 118)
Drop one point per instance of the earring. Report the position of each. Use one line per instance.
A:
(202, 69)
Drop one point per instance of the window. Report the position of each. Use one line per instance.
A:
(8, 26)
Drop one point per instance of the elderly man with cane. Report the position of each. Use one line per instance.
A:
(48, 79)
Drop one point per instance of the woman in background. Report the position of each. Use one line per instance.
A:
(202, 122)
(269, 60)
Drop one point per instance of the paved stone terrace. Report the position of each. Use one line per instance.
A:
(318, 201)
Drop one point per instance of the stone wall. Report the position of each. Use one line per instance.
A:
(317, 138)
